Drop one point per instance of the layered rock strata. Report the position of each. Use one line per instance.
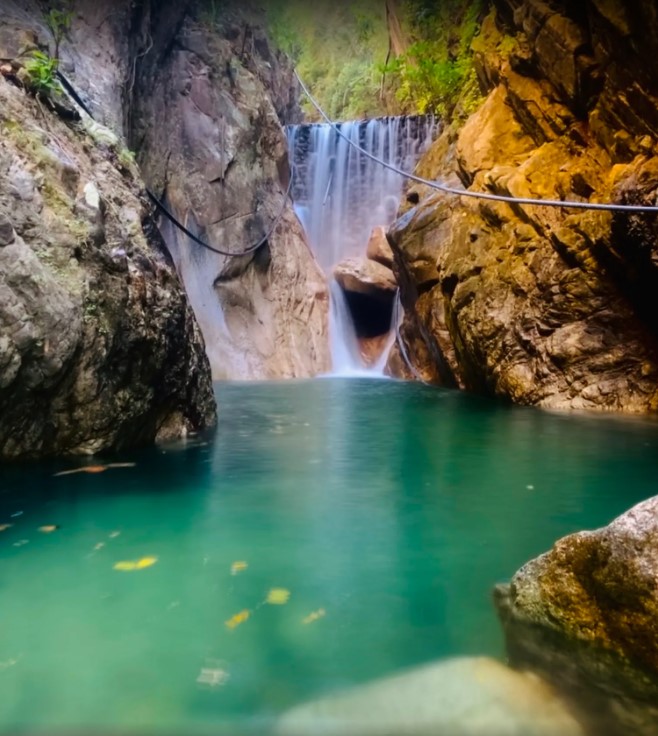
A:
(548, 306)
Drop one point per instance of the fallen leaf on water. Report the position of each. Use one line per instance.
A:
(238, 619)
(129, 565)
(278, 596)
(125, 566)
(95, 468)
(4, 527)
(48, 528)
(145, 562)
(320, 613)
(86, 469)
(238, 566)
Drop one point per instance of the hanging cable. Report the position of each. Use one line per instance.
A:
(468, 193)
(70, 89)
(247, 251)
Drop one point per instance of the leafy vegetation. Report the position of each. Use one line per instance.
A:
(337, 48)
(341, 50)
(41, 67)
(436, 74)
(42, 73)
(58, 21)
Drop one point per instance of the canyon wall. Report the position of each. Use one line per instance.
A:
(547, 306)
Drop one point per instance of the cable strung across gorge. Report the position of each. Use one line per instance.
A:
(247, 251)
(70, 89)
(608, 207)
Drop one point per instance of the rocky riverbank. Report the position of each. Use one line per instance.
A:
(553, 307)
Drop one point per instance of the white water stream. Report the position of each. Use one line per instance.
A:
(341, 195)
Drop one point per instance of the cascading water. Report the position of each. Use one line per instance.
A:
(341, 195)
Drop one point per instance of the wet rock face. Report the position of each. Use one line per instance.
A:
(585, 615)
(211, 139)
(99, 349)
(553, 307)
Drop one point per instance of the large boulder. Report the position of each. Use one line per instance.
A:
(363, 276)
(585, 616)
(460, 697)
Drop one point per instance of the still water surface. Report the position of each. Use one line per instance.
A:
(393, 508)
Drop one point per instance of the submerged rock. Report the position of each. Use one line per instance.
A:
(546, 306)
(461, 697)
(585, 616)
(98, 351)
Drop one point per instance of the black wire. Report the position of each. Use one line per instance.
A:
(161, 207)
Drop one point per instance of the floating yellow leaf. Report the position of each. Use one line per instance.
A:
(145, 562)
(48, 528)
(4, 527)
(238, 619)
(278, 596)
(129, 565)
(320, 613)
(239, 566)
(125, 566)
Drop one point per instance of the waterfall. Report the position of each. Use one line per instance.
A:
(341, 195)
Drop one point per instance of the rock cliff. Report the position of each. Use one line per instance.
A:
(553, 307)
(208, 125)
(99, 349)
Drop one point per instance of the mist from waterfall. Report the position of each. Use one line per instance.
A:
(341, 195)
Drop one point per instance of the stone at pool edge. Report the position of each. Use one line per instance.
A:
(460, 697)
(585, 616)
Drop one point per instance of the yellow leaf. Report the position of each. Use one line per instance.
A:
(145, 562)
(125, 566)
(239, 566)
(320, 613)
(4, 527)
(278, 596)
(130, 565)
(48, 528)
(238, 619)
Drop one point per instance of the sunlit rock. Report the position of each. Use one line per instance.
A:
(363, 276)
